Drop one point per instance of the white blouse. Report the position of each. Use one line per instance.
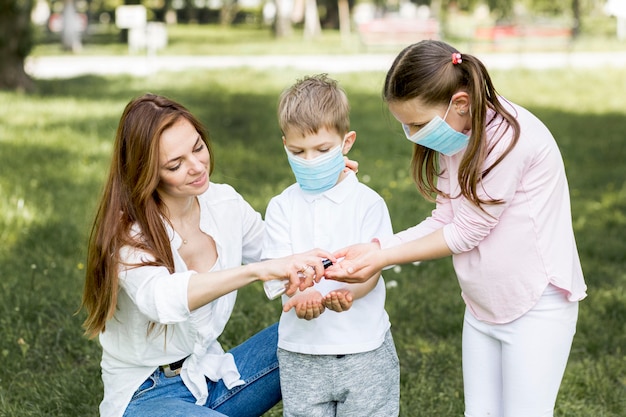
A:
(152, 294)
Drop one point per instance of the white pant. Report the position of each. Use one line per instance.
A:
(515, 369)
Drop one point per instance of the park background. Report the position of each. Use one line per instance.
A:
(56, 136)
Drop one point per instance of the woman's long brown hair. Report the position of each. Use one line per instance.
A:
(425, 70)
(130, 198)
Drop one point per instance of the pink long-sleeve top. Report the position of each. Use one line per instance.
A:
(505, 256)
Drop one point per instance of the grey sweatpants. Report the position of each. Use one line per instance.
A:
(357, 385)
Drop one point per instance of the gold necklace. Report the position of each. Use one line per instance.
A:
(185, 241)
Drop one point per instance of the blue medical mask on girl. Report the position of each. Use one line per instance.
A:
(438, 135)
(320, 173)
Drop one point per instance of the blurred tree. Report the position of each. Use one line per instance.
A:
(282, 23)
(16, 42)
(312, 26)
(576, 13)
(548, 6)
(344, 18)
(503, 9)
(571, 8)
(335, 14)
(228, 12)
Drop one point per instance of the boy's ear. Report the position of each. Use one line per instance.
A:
(284, 141)
(348, 141)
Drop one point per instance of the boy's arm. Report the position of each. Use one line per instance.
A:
(362, 289)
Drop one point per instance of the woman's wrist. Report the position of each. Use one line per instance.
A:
(255, 270)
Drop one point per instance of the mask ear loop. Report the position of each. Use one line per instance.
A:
(447, 111)
(343, 143)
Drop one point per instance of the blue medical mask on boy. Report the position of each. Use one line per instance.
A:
(320, 173)
(438, 135)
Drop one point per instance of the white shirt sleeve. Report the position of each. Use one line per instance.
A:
(159, 294)
(277, 239)
(253, 229)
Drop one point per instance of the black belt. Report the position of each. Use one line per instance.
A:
(173, 369)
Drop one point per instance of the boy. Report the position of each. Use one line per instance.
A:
(339, 362)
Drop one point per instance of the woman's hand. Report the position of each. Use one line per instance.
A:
(351, 165)
(301, 270)
(360, 262)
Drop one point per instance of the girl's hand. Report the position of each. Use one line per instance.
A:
(360, 262)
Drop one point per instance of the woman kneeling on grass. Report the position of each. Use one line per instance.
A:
(164, 263)
(502, 212)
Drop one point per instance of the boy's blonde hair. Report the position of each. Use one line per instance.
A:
(313, 103)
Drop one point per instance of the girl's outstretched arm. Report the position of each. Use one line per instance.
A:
(360, 262)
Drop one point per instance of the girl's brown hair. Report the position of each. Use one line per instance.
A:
(425, 70)
(130, 198)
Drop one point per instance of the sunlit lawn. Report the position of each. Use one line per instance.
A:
(54, 151)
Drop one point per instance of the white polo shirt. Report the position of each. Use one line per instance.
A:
(348, 213)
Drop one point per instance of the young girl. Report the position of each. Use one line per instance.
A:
(502, 212)
(164, 263)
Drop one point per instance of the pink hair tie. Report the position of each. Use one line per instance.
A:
(456, 58)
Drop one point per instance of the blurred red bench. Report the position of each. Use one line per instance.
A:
(502, 35)
(397, 31)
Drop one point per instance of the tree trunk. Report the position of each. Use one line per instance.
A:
(312, 26)
(228, 12)
(282, 23)
(344, 19)
(576, 14)
(16, 41)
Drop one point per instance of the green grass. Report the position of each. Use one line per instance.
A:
(54, 152)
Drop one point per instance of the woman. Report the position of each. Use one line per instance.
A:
(502, 212)
(164, 263)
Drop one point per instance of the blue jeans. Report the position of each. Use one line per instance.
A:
(256, 360)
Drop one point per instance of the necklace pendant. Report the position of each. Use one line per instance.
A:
(185, 241)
